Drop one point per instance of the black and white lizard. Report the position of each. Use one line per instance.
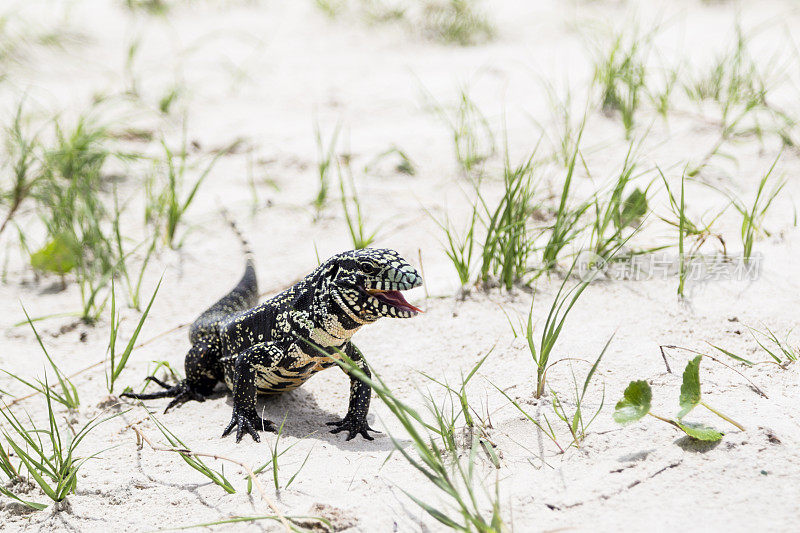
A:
(273, 347)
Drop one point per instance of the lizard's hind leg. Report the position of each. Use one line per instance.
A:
(199, 382)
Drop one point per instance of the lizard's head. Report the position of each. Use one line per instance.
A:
(367, 283)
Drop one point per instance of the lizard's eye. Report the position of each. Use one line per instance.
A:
(370, 270)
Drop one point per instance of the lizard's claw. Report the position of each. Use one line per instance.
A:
(248, 421)
(353, 426)
(180, 393)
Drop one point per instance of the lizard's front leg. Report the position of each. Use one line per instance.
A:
(355, 421)
(244, 417)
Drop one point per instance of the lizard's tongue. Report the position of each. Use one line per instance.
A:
(396, 299)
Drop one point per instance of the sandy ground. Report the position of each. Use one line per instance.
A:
(263, 72)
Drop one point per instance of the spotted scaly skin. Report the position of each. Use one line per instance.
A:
(275, 347)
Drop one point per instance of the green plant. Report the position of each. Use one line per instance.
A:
(782, 347)
(507, 246)
(24, 168)
(68, 396)
(153, 7)
(782, 352)
(752, 218)
(635, 404)
(325, 157)
(459, 248)
(473, 139)
(739, 86)
(620, 71)
(192, 459)
(617, 212)
(273, 462)
(352, 214)
(734, 83)
(78, 236)
(562, 304)
(455, 21)
(133, 287)
(688, 228)
(48, 457)
(454, 476)
(171, 204)
(566, 226)
(577, 423)
(117, 365)
(661, 99)
(404, 165)
(456, 406)
(331, 8)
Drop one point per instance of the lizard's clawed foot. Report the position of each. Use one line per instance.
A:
(247, 420)
(181, 393)
(353, 426)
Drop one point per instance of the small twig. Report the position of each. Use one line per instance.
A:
(756, 388)
(422, 271)
(664, 357)
(142, 438)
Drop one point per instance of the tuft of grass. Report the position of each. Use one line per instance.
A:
(217, 477)
(117, 364)
(460, 247)
(740, 86)
(661, 98)
(326, 156)
(753, 217)
(688, 228)
(455, 407)
(782, 352)
(48, 454)
(134, 287)
(152, 7)
(734, 82)
(567, 128)
(23, 166)
(618, 212)
(79, 240)
(473, 139)
(273, 462)
(168, 99)
(454, 476)
(562, 304)
(507, 246)
(620, 72)
(566, 226)
(352, 209)
(456, 22)
(68, 395)
(404, 164)
(577, 422)
(169, 206)
(331, 8)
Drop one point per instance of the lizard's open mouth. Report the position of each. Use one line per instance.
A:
(393, 298)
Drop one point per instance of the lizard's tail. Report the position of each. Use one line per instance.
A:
(248, 252)
(243, 296)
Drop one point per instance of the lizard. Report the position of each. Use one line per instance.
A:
(276, 346)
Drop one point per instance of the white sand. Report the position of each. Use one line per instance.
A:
(264, 71)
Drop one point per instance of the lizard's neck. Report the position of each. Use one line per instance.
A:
(336, 323)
